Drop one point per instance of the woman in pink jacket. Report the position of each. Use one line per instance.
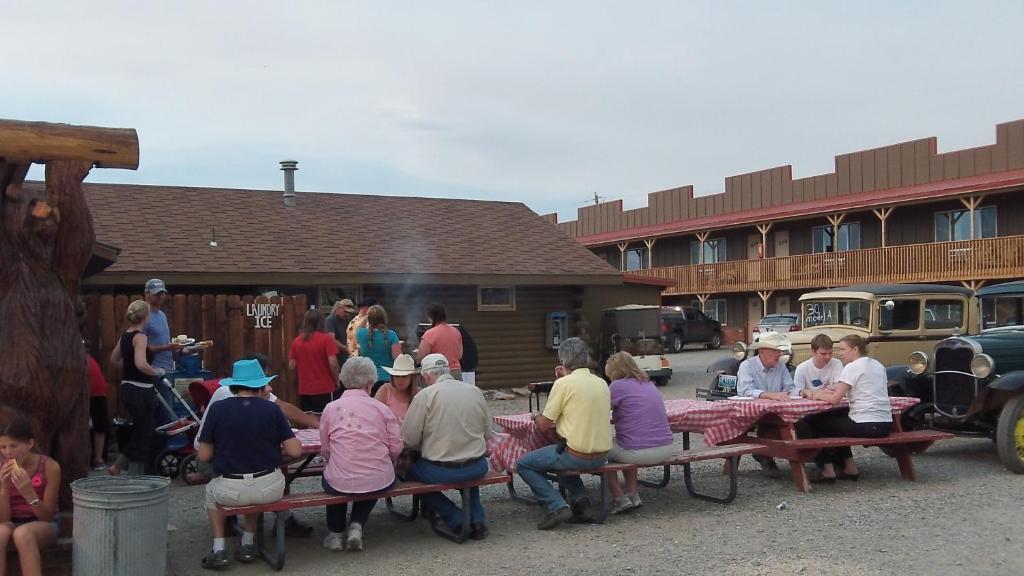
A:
(360, 439)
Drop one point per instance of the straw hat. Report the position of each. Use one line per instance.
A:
(404, 365)
(772, 341)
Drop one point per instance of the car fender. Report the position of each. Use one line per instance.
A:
(898, 374)
(725, 365)
(1013, 382)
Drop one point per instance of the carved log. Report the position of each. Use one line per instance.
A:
(26, 142)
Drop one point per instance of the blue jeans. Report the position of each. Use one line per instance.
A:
(424, 471)
(532, 466)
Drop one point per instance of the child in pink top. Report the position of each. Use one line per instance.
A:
(360, 439)
(29, 484)
(398, 394)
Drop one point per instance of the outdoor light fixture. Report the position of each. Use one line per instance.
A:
(213, 242)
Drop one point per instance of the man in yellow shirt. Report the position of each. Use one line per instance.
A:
(579, 408)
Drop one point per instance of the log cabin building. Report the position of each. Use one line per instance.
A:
(899, 213)
(497, 267)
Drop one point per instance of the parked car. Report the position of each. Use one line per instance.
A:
(635, 329)
(974, 385)
(682, 325)
(896, 319)
(783, 322)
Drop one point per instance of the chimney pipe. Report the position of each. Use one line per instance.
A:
(289, 167)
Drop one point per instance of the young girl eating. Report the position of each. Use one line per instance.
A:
(29, 484)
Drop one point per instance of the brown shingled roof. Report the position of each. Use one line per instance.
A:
(329, 234)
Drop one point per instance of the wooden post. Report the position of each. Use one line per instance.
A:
(622, 255)
(703, 298)
(765, 295)
(649, 242)
(763, 229)
(972, 203)
(702, 237)
(973, 285)
(883, 215)
(45, 141)
(835, 220)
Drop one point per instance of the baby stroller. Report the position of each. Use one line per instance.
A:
(180, 432)
(201, 392)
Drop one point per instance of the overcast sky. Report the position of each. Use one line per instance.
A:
(541, 102)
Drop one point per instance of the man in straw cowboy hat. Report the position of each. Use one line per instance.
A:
(765, 377)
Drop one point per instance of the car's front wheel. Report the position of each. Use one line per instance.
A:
(1010, 435)
(716, 341)
(677, 342)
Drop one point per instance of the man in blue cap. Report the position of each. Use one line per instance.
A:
(160, 345)
(244, 437)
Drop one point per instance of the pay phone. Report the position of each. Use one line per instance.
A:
(556, 329)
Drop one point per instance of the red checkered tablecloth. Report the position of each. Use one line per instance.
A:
(310, 440)
(719, 422)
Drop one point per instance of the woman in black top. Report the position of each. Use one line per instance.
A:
(136, 391)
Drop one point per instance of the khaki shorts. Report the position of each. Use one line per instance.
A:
(642, 457)
(245, 491)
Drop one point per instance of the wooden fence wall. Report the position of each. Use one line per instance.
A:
(221, 318)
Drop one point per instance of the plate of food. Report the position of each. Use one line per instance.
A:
(183, 340)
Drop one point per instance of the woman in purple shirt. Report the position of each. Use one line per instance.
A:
(642, 435)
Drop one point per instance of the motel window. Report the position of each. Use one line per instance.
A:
(953, 225)
(714, 251)
(824, 241)
(636, 258)
(714, 309)
(496, 298)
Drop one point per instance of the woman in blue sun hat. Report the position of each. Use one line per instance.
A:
(243, 437)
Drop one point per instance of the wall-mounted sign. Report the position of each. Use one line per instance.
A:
(263, 314)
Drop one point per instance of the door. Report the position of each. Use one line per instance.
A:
(781, 243)
(755, 312)
(753, 246)
(782, 304)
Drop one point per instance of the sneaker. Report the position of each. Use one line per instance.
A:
(334, 541)
(581, 511)
(99, 465)
(620, 505)
(295, 529)
(553, 519)
(354, 542)
(478, 531)
(245, 553)
(634, 498)
(216, 560)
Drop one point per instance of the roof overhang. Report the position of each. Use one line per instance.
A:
(648, 280)
(919, 193)
(315, 280)
(103, 256)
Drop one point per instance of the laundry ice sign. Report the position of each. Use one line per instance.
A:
(263, 314)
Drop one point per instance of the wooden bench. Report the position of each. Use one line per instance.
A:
(898, 444)
(56, 558)
(315, 499)
(731, 452)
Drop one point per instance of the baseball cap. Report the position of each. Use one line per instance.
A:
(346, 304)
(155, 286)
(432, 361)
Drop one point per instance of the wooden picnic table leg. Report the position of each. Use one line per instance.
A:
(905, 462)
(780, 430)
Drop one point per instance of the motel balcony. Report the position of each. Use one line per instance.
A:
(967, 261)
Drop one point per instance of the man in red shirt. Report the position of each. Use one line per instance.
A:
(442, 338)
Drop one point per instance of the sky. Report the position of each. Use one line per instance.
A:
(547, 103)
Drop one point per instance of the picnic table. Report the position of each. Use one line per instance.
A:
(720, 422)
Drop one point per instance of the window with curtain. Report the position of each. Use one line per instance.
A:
(824, 241)
(636, 258)
(951, 225)
(714, 251)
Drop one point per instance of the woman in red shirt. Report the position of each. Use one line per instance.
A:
(313, 357)
(97, 412)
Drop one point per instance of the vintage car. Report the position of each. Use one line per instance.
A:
(974, 385)
(896, 319)
(636, 329)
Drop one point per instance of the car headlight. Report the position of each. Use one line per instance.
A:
(982, 365)
(739, 351)
(917, 362)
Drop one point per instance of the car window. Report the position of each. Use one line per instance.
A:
(690, 314)
(943, 313)
(836, 312)
(905, 315)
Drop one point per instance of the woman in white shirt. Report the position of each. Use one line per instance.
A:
(864, 383)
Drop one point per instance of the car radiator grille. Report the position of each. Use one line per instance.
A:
(954, 391)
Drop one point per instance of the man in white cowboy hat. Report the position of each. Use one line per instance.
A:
(448, 422)
(244, 436)
(763, 376)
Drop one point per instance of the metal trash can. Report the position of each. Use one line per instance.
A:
(120, 525)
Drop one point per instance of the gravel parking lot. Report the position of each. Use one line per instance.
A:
(960, 517)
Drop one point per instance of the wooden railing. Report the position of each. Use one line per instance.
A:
(988, 259)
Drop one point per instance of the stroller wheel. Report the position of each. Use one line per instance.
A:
(190, 469)
(168, 463)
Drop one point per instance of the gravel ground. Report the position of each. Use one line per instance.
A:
(960, 517)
